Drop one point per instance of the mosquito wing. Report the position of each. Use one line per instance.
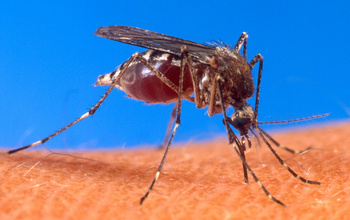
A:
(152, 40)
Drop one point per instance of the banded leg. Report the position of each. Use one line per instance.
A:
(87, 114)
(241, 149)
(259, 130)
(235, 139)
(257, 58)
(170, 124)
(240, 145)
(285, 147)
(197, 97)
(197, 91)
(177, 123)
(213, 92)
(242, 40)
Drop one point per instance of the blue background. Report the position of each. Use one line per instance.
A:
(50, 59)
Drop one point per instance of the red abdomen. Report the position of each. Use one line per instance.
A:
(139, 82)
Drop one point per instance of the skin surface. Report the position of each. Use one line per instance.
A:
(199, 181)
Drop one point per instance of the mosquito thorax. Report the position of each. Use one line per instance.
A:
(236, 73)
(243, 118)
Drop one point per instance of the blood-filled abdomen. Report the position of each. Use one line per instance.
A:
(139, 82)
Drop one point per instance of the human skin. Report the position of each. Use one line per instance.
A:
(199, 181)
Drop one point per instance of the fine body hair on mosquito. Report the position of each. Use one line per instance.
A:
(215, 75)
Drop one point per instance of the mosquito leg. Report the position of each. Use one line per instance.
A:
(177, 123)
(245, 164)
(259, 58)
(213, 96)
(259, 130)
(233, 139)
(87, 114)
(257, 180)
(252, 63)
(197, 91)
(242, 40)
(285, 147)
(245, 49)
(170, 124)
(241, 149)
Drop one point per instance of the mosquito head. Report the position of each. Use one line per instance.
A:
(243, 118)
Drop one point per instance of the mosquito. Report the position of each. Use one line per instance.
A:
(212, 75)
